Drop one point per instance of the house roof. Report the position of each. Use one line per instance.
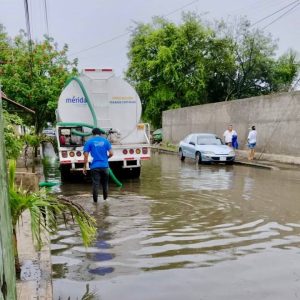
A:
(4, 97)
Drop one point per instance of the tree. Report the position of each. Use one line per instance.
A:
(13, 144)
(166, 65)
(34, 78)
(257, 70)
(175, 66)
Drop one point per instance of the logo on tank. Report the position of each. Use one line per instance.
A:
(122, 100)
(76, 100)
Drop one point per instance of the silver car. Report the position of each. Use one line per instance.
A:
(205, 147)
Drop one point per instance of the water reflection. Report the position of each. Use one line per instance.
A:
(164, 229)
(207, 178)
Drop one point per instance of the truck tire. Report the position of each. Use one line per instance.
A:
(132, 173)
(65, 172)
(136, 172)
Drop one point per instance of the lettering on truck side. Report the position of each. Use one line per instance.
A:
(122, 102)
(76, 100)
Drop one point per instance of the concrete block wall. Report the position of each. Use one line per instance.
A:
(276, 117)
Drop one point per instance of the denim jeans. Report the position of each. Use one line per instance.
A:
(100, 175)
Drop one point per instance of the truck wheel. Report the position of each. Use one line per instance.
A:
(65, 172)
(136, 172)
(132, 173)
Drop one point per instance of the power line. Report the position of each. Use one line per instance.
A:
(100, 44)
(128, 31)
(46, 16)
(180, 8)
(27, 21)
(281, 16)
(274, 13)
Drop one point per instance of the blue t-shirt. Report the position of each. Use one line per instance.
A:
(98, 147)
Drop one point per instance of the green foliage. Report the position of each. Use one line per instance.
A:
(34, 79)
(192, 63)
(33, 140)
(13, 144)
(166, 66)
(257, 71)
(45, 209)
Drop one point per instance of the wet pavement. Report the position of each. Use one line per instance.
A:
(185, 231)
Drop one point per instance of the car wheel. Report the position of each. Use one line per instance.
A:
(198, 158)
(182, 157)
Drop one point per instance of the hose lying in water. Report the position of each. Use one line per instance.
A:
(114, 178)
(112, 175)
(48, 184)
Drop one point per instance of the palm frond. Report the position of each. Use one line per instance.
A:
(44, 210)
(12, 165)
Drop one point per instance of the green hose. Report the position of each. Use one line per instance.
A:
(112, 175)
(89, 105)
(114, 178)
(48, 184)
(80, 124)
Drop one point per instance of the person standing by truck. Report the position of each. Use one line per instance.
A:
(100, 150)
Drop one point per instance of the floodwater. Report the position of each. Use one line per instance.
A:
(188, 232)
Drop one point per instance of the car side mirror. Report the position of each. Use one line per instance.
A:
(192, 143)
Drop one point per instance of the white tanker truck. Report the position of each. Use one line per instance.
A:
(97, 98)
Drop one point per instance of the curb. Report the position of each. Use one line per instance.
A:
(256, 165)
(36, 278)
(237, 162)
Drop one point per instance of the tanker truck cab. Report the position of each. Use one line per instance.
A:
(97, 98)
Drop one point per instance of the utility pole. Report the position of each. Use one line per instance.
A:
(7, 262)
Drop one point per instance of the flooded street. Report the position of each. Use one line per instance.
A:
(188, 232)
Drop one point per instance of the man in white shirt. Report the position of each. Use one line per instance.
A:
(252, 143)
(228, 136)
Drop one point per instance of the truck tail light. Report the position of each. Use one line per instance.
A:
(72, 154)
(138, 151)
(64, 154)
(125, 151)
(78, 153)
(144, 150)
(131, 151)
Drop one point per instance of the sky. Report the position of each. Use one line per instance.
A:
(103, 25)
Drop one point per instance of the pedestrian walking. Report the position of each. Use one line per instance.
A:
(100, 150)
(252, 143)
(228, 135)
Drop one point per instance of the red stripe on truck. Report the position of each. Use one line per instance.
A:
(89, 70)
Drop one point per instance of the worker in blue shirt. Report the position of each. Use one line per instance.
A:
(100, 150)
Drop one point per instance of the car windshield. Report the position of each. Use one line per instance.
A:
(208, 140)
